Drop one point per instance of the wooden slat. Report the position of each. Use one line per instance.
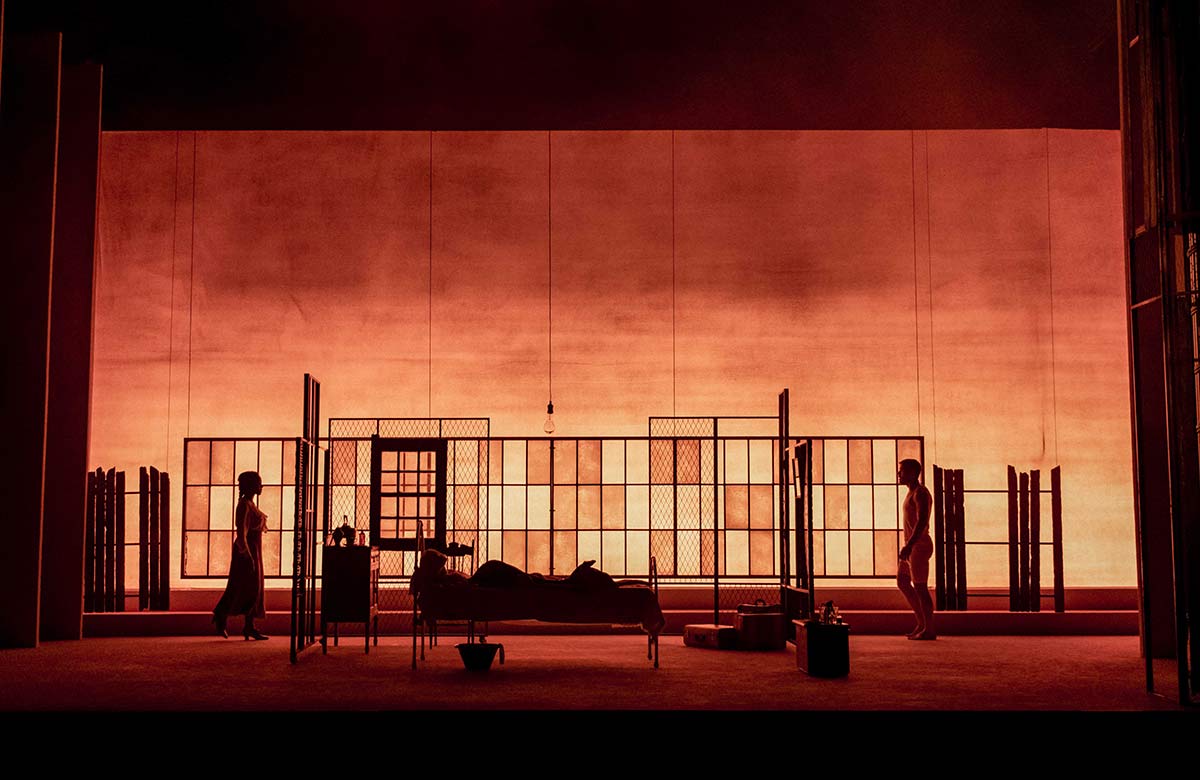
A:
(110, 514)
(118, 545)
(153, 526)
(1056, 537)
(164, 542)
(939, 539)
(951, 540)
(143, 539)
(960, 542)
(1014, 582)
(1035, 539)
(1023, 545)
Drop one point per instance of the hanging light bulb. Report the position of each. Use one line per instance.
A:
(548, 427)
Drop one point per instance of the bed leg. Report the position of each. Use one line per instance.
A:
(414, 630)
(649, 647)
(656, 651)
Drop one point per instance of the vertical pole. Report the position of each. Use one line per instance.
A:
(1023, 545)
(155, 533)
(552, 497)
(717, 545)
(1035, 540)
(1056, 537)
(939, 538)
(164, 542)
(1014, 583)
(960, 538)
(144, 551)
(674, 505)
(783, 503)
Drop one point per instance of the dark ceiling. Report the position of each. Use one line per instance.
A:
(593, 64)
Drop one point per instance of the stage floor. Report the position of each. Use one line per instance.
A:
(575, 673)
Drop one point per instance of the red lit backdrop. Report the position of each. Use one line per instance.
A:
(964, 285)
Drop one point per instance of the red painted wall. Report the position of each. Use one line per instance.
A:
(965, 285)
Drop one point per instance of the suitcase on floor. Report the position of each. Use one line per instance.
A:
(710, 636)
(760, 630)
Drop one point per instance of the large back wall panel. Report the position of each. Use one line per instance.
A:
(964, 285)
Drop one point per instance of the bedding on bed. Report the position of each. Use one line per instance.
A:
(498, 591)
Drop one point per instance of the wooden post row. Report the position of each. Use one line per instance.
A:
(960, 543)
(939, 535)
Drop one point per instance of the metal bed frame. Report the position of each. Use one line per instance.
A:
(420, 622)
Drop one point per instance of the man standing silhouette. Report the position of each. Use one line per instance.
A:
(912, 572)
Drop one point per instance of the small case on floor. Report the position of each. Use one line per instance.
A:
(760, 630)
(710, 636)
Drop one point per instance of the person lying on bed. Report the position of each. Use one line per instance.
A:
(498, 574)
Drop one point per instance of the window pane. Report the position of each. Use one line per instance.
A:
(538, 510)
(589, 507)
(564, 552)
(886, 552)
(860, 461)
(687, 456)
(514, 463)
(837, 553)
(564, 506)
(589, 462)
(737, 506)
(637, 506)
(196, 508)
(862, 553)
(861, 505)
(818, 460)
(835, 461)
(538, 552)
(661, 472)
(222, 463)
(637, 462)
(219, 548)
(614, 461)
(762, 552)
(514, 509)
(637, 554)
(514, 548)
(613, 552)
(195, 554)
(836, 511)
(736, 460)
(589, 546)
(539, 463)
(220, 509)
(886, 507)
(197, 462)
(762, 462)
(613, 506)
(245, 456)
(762, 506)
(884, 456)
(564, 462)
(270, 462)
(737, 553)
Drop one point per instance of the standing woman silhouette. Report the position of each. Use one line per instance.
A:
(244, 591)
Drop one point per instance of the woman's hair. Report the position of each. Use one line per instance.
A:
(248, 481)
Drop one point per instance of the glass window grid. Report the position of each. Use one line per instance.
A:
(612, 529)
(207, 541)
